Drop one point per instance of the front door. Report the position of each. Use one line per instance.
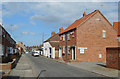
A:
(73, 53)
(60, 52)
(50, 52)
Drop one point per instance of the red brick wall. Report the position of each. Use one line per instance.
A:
(89, 35)
(5, 42)
(56, 54)
(70, 42)
(118, 41)
(112, 58)
(5, 66)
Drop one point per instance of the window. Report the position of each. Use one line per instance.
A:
(68, 49)
(1, 49)
(63, 49)
(104, 33)
(118, 39)
(0, 31)
(73, 34)
(61, 37)
(64, 37)
(68, 35)
(100, 56)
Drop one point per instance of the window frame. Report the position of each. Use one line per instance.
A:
(64, 49)
(118, 39)
(104, 34)
(73, 34)
(68, 49)
(68, 35)
(63, 37)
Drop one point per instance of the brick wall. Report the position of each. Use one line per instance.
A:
(57, 54)
(89, 35)
(67, 43)
(112, 58)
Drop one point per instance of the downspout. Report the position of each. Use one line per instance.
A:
(66, 45)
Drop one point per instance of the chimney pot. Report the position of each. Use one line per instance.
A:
(84, 14)
(61, 29)
(53, 33)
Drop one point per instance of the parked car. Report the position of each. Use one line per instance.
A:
(35, 54)
(26, 52)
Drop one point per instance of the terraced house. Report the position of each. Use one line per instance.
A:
(7, 43)
(86, 39)
(51, 46)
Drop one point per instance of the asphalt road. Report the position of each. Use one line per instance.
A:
(45, 67)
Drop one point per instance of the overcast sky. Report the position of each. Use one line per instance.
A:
(26, 21)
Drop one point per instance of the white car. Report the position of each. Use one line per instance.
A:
(26, 52)
(35, 54)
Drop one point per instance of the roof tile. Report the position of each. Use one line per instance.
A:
(77, 22)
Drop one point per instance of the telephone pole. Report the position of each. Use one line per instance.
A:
(43, 38)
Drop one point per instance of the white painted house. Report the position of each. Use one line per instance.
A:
(51, 46)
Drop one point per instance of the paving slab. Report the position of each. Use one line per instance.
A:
(23, 68)
(97, 67)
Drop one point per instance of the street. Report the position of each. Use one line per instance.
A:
(50, 68)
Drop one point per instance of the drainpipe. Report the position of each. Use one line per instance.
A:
(66, 45)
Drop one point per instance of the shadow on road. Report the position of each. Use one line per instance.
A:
(40, 73)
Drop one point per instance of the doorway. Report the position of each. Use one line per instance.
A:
(73, 53)
(60, 52)
(50, 53)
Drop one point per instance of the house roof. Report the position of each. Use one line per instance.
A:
(53, 38)
(117, 27)
(54, 41)
(55, 44)
(78, 22)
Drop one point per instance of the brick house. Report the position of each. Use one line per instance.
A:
(51, 46)
(21, 47)
(117, 27)
(7, 43)
(86, 39)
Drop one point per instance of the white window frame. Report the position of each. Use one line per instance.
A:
(1, 49)
(63, 49)
(63, 37)
(100, 56)
(73, 34)
(68, 35)
(118, 39)
(68, 49)
(104, 34)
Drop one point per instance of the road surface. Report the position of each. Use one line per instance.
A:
(49, 68)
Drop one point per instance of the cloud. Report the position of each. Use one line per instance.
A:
(32, 33)
(62, 13)
(11, 28)
(28, 33)
(24, 33)
(33, 23)
(60, 1)
(66, 13)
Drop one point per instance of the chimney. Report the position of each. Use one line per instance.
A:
(84, 14)
(53, 33)
(61, 29)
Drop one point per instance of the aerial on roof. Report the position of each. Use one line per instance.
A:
(79, 21)
(117, 27)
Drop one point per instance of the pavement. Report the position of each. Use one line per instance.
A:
(29, 66)
(96, 67)
(22, 69)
